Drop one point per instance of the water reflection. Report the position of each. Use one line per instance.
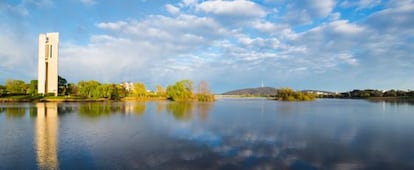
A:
(181, 110)
(396, 101)
(15, 112)
(227, 134)
(2, 109)
(98, 109)
(203, 109)
(95, 109)
(160, 106)
(46, 131)
(184, 110)
(139, 108)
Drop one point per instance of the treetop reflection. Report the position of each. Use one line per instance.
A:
(182, 111)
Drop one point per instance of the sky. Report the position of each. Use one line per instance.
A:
(303, 44)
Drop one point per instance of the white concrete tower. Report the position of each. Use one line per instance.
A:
(48, 63)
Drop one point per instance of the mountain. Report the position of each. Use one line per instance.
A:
(258, 91)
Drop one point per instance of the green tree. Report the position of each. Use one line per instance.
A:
(120, 92)
(16, 86)
(88, 88)
(181, 90)
(139, 90)
(32, 89)
(71, 89)
(62, 86)
(390, 93)
(105, 91)
(3, 90)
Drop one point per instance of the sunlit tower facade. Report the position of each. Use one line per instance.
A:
(48, 63)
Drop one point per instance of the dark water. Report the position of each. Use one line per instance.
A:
(227, 134)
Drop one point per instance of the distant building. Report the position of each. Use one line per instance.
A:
(48, 63)
(319, 92)
(129, 86)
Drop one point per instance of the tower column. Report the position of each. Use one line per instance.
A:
(48, 63)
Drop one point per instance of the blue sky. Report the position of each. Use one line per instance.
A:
(305, 44)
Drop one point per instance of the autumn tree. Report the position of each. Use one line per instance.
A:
(204, 92)
(160, 91)
(139, 90)
(287, 94)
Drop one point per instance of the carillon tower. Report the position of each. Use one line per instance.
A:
(48, 63)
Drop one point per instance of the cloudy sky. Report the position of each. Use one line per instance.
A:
(305, 44)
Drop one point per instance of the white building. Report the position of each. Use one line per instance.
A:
(48, 63)
(129, 86)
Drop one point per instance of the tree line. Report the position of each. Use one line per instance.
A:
(367, 93)
(180, 91)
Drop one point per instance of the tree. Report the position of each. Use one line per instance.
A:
(88, 88)
(120, 92)
(2, 90)
(204, 92)
(71, 89)
(390, 93)
(62, 86)
(181, 90)
(203, 87)
(16, 86)
(160, 91)
(139, 90)
(32, 89)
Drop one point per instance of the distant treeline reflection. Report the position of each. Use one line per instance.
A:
(179, 110)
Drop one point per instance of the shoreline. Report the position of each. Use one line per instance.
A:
(23, 99)
(18, 99)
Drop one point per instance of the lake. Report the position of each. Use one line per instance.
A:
(228, 134)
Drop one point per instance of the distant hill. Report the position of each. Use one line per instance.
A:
(258, 91)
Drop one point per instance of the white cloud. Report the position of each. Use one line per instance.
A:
(188, 3)
(232, 13)
(347, 58)
(113, 26)
(158, 46)
(242, 8)
(397, 20)
(343, 26)
(172, 9)
(266, 26)
(304, 12)
(360, 4)
(17, 54)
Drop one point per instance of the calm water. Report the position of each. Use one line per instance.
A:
(227, 134)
